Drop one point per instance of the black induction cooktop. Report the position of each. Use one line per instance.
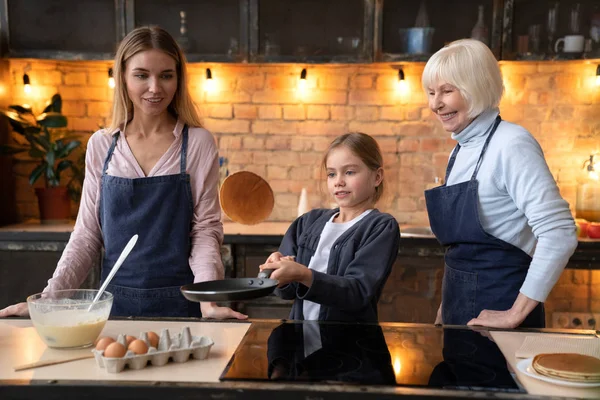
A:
(370, 354)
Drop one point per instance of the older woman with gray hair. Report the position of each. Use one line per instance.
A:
(508, 231)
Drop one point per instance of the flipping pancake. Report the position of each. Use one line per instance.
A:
(568, 366)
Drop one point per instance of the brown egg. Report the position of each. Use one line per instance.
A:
(138, 346)
(115, 350)
(153, 339)
(129, 339)
(103, 342)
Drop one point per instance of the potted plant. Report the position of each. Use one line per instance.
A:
(46, 140)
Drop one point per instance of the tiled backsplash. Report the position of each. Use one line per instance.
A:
(265, 124)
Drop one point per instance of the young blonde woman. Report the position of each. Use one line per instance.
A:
(509, 232)
(153, 172)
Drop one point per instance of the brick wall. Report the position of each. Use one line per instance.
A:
(263, 123)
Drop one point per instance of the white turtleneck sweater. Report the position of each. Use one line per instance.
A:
(519, 201)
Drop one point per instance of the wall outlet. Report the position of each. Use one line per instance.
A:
(575, 320)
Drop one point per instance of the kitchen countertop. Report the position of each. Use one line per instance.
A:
(32, 236)
(34, 231)
(417, 369)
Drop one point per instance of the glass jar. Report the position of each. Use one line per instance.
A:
(588, 192)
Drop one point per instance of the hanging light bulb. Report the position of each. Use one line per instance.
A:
(401, 85)
(26, 84)
(209, 83)
(302, 81)
(111, 79)
(598, 75)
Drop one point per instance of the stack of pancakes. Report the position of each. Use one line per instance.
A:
(568, 367)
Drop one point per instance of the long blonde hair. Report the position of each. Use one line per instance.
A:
(142, 39)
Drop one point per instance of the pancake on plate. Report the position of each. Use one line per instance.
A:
(568, 366)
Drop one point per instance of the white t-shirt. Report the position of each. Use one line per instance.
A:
(318, 262)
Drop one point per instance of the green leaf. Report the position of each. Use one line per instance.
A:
(36, 173)
(65, 136)
(51, 158)
(17, 127)
(64, 164)
(42, 141)
(54, 104)
(65, 150)
(32, 130)
(51, 175)
(15, 116)
(21, 109)
(52, 120)
(17, 122)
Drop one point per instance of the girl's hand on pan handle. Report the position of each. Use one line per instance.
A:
(274, 257)
(287, 271)
(277, 256)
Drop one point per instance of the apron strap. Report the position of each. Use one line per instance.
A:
(485, 146)
(110, 153)
(483, 150)
(184, 146)
(451, 162)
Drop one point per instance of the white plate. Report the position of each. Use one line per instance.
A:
(525, 367)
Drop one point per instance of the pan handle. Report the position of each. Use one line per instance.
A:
(265, 273)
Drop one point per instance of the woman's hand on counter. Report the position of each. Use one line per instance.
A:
(18, 310)
(438, 317)
(512, 318)
(212, 310)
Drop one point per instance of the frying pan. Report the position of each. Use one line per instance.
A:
(247, 199)
(231, 289)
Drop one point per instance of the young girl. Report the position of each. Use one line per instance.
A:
(334, 263)
(153, 172)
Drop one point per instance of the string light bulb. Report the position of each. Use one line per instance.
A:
(209, 83)
(26, 84)
(402, 85)
(302, 81)
(598, 75)
(111, 79)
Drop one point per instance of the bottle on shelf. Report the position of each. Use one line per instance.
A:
(588, 191)
(480, 30)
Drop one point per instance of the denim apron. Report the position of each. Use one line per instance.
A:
(159, 209)
(481, 271)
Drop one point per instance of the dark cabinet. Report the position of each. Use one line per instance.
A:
(311, 30)
(64, 29)
(206, 30)
(551, 29)
(413, 31)
(26, 271)
(304, 31)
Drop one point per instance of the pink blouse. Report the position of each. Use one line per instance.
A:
(206, 234)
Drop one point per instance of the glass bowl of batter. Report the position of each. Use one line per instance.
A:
(64, 318)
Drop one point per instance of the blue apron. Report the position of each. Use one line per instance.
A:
(159, 209)
(481, 271)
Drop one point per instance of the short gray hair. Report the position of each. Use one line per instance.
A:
(470, 66)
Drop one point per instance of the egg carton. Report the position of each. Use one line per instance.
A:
(176, 348)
